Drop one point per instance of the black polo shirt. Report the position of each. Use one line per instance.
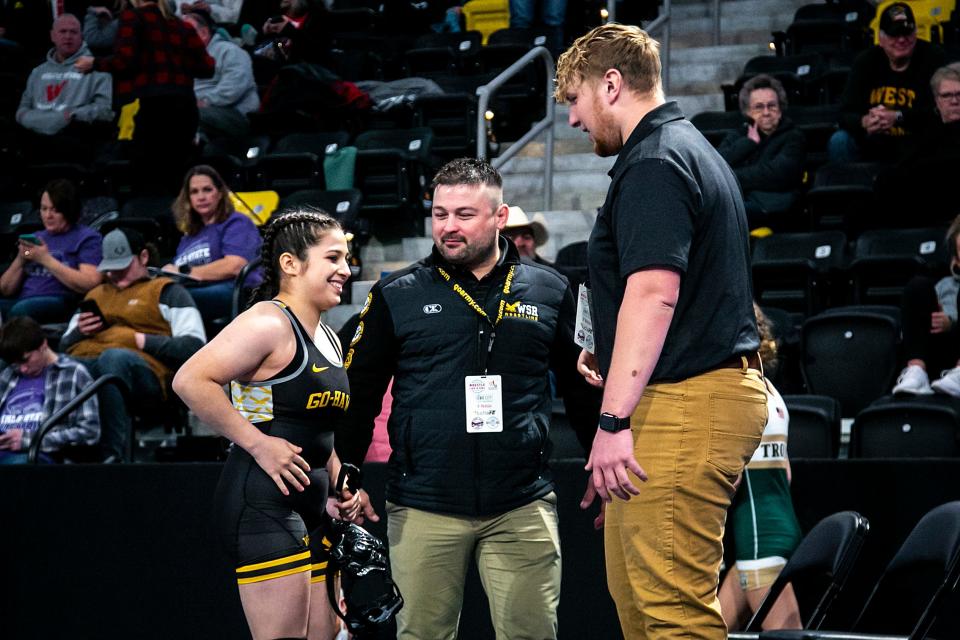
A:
(674, 203)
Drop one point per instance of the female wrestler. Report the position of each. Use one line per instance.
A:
(765, 527)
(288, 389)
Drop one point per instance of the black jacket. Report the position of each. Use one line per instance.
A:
(775, 164)
(418, 330)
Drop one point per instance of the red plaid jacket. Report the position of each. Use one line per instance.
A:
(154, 55)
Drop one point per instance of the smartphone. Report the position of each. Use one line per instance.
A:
(275, 19)
(91, 306)
(31, 238)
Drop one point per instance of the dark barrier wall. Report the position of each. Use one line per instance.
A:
(126, 551)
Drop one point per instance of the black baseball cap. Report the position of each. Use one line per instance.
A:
(897, 20)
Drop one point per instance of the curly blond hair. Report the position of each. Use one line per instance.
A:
(626, 48)
(768, 343)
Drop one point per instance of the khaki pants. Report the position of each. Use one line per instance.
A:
(518, 557)
(663, 547)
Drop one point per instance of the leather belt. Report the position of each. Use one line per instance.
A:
(736, 362)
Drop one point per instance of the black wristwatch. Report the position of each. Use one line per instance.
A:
(612, 423)
(184, 269)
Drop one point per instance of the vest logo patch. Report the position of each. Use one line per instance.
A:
(366, 305)
(521, 310)
(432, 308)
(357, 334)
(133, 301)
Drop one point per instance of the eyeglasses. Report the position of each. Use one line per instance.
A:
(949, 96)
(772, 107)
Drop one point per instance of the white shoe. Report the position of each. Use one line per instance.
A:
(949, 382)
(914, 380)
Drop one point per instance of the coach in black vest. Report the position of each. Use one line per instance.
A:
(469, 335)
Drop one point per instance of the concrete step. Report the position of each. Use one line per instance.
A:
(700, 69)
(745, 11)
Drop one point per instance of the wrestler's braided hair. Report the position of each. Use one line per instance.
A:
(292, 231)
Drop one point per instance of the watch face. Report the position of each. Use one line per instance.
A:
(612, 423)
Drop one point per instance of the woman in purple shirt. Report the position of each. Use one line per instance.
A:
(46, 280)
(217, 241)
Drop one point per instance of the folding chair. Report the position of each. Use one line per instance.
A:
(818, 569)
(913, 589)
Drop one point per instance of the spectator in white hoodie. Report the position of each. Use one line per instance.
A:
(60, 101)
(225, 99)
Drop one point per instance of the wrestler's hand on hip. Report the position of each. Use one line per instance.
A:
(610, 458)
(588, 497)
(281, 461)
(587, 367)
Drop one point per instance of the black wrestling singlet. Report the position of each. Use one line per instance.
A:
(270, 535)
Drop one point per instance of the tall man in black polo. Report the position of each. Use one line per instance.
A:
(469, 335)
(676, 340)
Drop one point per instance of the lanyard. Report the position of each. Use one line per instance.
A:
(470, 302)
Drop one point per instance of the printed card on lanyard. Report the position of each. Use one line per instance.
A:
(583, 334)
(484, 404)
(484, 394)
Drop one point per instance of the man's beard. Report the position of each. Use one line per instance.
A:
(467, 256)
(606, 135)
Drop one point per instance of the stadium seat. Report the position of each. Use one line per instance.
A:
(884, 260)
(842, 197)
(715, 125)
(814, 426)
(152, 216)
(16, 217)
(453, 119)
(392, 169)
(464, 44)
(795, 73)
(429, 62)
(922, 427)
(818, 568)
(795, 271)
(296, 161)
(344, 205)
(850, 353)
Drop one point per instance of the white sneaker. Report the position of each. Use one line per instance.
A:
(949, 382)
(913, 380)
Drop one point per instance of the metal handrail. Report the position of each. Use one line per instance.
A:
(68, 408)
(484, 94)
(663, 20)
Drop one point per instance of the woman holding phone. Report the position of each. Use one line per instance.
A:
(55, 266)
(289, 388)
